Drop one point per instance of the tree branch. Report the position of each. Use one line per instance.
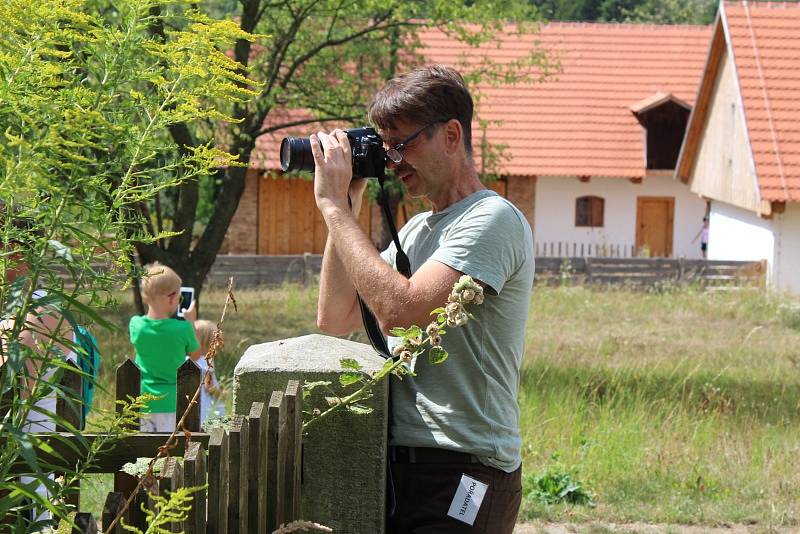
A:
(301, 123)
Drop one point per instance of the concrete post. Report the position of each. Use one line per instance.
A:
(344, 457)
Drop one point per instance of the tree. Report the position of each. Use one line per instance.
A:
(325, 56)
(652, 11)
(85, 100)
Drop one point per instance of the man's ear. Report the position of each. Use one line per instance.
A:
(454, 135)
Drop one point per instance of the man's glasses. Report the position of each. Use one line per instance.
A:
(395, 154)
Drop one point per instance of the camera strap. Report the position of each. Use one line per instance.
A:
(403, 266)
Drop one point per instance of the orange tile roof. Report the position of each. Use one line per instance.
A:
(765, 40)
(580, 121)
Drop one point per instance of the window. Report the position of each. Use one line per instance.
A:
(589, 211)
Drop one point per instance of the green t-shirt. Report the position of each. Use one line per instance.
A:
(469, 403)
(161, 347)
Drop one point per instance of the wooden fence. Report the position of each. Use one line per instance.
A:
(251, 271)
(561, 249)
(650, 272)
(252, 469)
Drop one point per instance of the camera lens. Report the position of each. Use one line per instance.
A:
(296, 155)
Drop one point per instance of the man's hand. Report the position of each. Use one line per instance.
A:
(334, 169)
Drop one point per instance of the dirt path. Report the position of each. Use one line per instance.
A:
(644, 528)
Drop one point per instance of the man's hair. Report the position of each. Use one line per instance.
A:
(160, 280)
(205, 332)
(436, 93)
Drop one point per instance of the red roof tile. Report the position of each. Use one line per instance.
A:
(579, 122)
(765, 39)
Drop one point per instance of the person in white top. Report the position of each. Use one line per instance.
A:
(44, 333)
(211, 402)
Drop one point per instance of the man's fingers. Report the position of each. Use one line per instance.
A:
(316, 148)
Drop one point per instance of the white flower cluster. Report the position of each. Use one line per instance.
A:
(466, 291)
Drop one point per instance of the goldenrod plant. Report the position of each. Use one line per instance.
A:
(88, 97)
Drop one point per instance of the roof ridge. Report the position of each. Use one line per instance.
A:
(622, 25)
(761, 3)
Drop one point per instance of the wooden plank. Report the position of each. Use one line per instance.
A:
(170, 479)
(237, 472)
(136, 514)
(194, 475)
(218, 447)
(70, 449)
(257, 474)
(188, 378)
(129, 384)
(115, 502)
(294, 429)
(84, 524)
(275, 411)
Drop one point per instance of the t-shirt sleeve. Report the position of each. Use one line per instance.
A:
(191, 338)
(487, 244)
(133, 328)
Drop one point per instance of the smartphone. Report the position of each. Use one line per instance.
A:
(187, 296)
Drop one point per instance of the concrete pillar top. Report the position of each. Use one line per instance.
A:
(312, 353)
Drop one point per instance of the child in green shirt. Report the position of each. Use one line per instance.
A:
(162, 344)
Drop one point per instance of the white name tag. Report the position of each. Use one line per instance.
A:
(467, 500)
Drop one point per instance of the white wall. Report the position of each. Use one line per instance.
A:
(787, 250)
(555, 211)
(739, 234)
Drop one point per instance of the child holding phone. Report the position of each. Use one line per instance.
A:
(162, 343)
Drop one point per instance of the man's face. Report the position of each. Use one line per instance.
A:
(419, 167)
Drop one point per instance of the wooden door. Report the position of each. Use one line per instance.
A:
(654, 221)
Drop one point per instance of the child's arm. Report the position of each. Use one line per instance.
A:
(191, 316)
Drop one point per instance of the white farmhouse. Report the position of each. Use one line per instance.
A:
(742, 146)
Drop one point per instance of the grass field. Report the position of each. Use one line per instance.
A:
(671, 407)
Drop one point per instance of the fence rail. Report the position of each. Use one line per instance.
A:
(560, 249)
(651, 271)
(252, 468)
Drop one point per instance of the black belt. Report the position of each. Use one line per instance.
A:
(429, 455)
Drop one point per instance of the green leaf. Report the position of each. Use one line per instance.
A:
(413, 331)
(397, 331)
(359, 409)
(350, 363)
(437, 355)
(347, 379)
(437, 311)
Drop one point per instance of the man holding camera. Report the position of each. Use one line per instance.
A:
(454, 443)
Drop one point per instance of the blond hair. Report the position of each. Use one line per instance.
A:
(205, 333)
(160, 280)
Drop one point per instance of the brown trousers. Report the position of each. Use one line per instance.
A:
(423, 493)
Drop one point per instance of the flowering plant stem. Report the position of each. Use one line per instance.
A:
(412, 345)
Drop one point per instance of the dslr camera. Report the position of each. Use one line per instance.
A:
(369, 156)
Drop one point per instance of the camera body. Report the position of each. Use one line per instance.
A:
(366, 147)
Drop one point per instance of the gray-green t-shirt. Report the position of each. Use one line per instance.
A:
(469, 403)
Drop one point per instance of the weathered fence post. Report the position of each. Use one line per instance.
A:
(129, 384)
(194, 475)
(238, 466)
(257, 474)
(115, 501)
(345, 443)
(218, 445)
(275, 409)
(188, 380)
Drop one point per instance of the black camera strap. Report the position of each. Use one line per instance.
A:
(403, 266)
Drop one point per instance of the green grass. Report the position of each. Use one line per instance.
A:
(670, 407)
(674, 408)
